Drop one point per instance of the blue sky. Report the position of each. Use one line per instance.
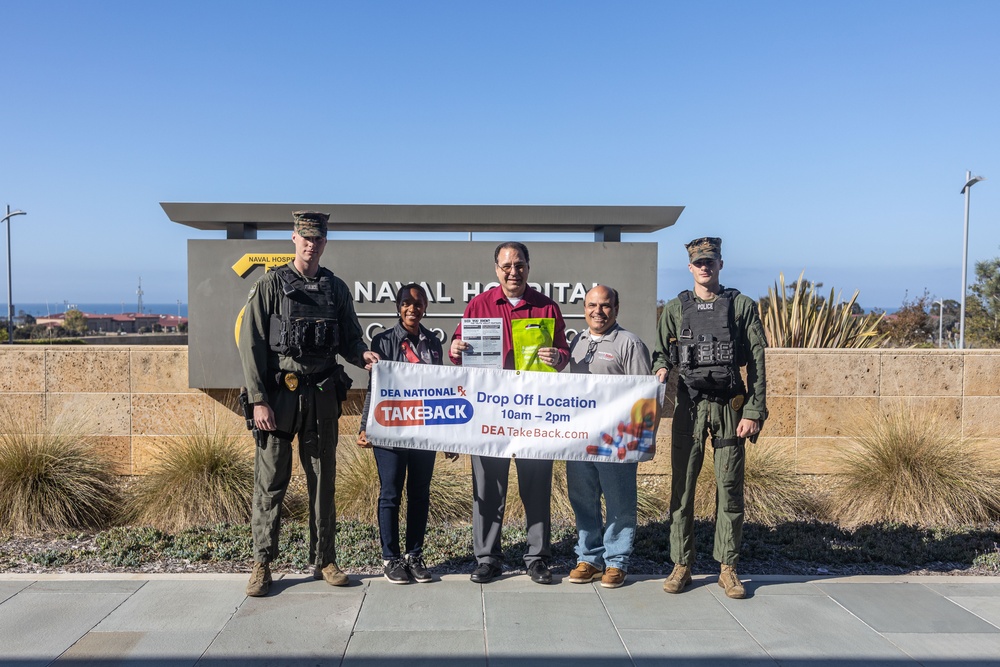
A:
(829, 137)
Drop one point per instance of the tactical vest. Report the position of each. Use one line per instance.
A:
(706, 350)
(307, 325)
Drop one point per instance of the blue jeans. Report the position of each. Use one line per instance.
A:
(413, 467)
(603, 545)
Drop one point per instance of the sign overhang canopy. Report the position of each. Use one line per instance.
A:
(429, 217)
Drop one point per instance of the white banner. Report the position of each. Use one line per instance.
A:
(491, 412)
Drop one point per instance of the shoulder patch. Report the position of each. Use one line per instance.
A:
(253, 290)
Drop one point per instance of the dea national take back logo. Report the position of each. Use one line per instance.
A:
(245, 264)
(423, 412)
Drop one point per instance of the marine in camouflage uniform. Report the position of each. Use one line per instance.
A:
(297, 319)
(712, 401)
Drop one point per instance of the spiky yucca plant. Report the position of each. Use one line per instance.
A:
(907, 467)
(772, 490)
(51, 478)
(806, 320)
(203, 478)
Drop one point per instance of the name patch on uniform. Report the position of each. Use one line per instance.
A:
(706, 306)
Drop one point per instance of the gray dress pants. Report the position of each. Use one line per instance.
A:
(489, 501)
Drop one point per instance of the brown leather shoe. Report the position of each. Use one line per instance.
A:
(613, 578)
(584, 573)
(729, 580)
(260, 580)
(331, 574)
(678, 579)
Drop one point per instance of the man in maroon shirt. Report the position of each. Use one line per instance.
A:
(512, 299)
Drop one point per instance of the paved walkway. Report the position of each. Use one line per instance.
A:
(173, 620)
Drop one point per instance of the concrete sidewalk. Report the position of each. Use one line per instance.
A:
(173, 620)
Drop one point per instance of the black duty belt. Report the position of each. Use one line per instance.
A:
(292, 381)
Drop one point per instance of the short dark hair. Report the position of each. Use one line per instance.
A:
(513, 245)
(404, 292)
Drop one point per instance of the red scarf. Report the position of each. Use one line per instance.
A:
(411, 355)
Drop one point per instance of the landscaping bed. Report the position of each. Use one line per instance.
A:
(798, 548)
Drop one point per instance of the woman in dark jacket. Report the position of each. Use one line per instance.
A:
(408, 341)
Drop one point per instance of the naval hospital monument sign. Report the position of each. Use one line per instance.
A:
(221, 272)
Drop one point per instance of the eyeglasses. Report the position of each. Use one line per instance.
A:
(591, 350)
(510, 268)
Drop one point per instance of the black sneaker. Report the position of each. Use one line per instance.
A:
(396, 572)
(539, 572)
(485, 573)
(415, 564)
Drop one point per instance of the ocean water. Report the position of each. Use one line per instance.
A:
(43, 309)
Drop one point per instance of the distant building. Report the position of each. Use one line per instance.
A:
(120, 323)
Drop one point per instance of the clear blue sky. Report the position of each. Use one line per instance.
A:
(830, 137)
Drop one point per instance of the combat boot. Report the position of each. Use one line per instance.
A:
(331, 574)
(730, 581)
(678, 579)
(260, 580)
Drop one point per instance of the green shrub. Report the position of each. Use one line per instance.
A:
(51, 478)
(205, 478)
(904, 466)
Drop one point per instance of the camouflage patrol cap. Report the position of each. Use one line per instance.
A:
(707, 247)
(309, 224)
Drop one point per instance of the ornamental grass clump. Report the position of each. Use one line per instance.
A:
(203, 478)
(650, 504)
(51, 478)
(904, 466)
(358, 487)
(357, 482)
(772, 491)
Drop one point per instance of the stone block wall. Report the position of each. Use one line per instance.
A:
(136, 401)
(815, 397)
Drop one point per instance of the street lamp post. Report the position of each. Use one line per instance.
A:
(10, 302)
(940, 321)
(969, 182)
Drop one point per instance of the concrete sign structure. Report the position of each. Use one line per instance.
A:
(221, 272)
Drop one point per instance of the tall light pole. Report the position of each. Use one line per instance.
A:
(969, 182)
(940, 321)
(10, 302)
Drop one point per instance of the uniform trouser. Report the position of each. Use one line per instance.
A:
(396, 467)
(489, 502)
(603, 543)
(312, 414)
(693, 422)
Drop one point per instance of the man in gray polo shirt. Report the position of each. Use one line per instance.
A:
(603, 550)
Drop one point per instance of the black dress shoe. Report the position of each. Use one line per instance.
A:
(485, 573)
(539, 572)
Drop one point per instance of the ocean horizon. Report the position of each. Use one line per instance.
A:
(47, 309)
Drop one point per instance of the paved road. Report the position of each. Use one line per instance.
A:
(174, 620)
